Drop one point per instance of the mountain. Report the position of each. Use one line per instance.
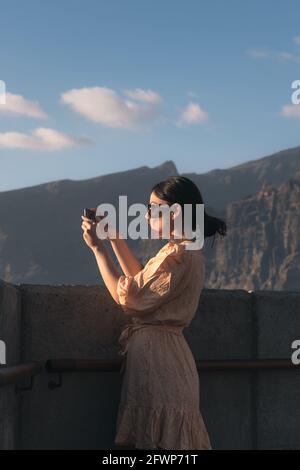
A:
(220, 187)
(41, 236)
(262, 246)
(40, 226)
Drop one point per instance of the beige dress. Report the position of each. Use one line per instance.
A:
(159, 405)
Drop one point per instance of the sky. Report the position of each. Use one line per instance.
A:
(96, 87)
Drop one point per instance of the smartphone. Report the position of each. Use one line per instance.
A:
(90, 214)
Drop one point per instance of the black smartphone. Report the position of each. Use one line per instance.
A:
(90, 214)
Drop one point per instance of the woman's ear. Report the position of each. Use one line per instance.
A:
(176, 210)
(176, 217)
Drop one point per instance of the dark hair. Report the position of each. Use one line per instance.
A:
(182, 190)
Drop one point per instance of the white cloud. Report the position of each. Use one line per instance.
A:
(279, 55)
(192, 94)
(148, 96)
(19, 106)
(285, 55)
(264, 53)
(192, 114)
(290, 111)
(288, 56)
(258, 53)
(103, 105)
(297, 39)
(40, 139)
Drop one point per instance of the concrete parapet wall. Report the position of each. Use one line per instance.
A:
(242, 409)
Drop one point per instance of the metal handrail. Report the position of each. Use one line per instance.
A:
(11, 375)
(82, 365)
(246, 364)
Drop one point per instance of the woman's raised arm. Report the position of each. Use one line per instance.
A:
(129, 263)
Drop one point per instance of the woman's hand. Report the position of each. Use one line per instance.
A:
(89, 233)
(111, 233)
(106, 265)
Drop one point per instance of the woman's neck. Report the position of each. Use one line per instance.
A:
(179, 240)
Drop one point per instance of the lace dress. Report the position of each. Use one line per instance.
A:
(160, 396)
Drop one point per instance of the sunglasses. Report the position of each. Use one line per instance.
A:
(151, 206)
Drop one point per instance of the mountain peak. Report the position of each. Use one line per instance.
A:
(168, 166)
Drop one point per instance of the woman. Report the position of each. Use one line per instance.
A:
(159, 406)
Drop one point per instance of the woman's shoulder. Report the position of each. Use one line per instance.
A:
(172, 254)
(185, 246)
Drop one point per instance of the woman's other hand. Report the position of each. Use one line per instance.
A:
(89, 233)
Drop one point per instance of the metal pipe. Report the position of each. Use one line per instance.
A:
(102, 365)
(12, 374)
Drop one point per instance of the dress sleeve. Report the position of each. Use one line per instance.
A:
(154, 285)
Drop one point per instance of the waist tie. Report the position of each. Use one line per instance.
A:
(130, 328)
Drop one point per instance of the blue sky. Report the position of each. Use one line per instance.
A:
(95, 87)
